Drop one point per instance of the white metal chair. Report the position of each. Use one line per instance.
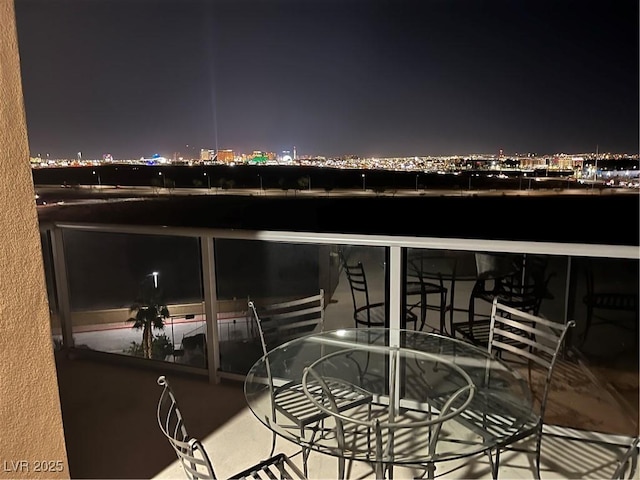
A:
(194, 457)
(284, 321)
(514, 333)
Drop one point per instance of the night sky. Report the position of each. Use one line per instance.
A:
(332, 77)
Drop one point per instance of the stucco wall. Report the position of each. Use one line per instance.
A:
(31, 433)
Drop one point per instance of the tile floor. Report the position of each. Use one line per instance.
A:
(111, 431)
(562, 458)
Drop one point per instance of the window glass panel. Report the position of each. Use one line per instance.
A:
(109, 273)
(272, 272)
(595, 384)
(458, 287)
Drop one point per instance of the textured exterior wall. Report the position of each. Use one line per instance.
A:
(31, 433)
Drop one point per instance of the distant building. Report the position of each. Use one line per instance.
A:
(206, 154)
(258, 156)
(285, 156)
(155, 159)
(226, 156)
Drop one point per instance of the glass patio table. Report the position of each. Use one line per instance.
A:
(431, 398)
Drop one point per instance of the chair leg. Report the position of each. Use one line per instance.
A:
(273, 444)
(341, 469)
(431, 470)
(305, 458)
(452, 309)
(423, 310)
(538, 445)
(306, 450)
(443, 306)
(494, 462)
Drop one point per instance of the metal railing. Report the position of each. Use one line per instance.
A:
(394, 246)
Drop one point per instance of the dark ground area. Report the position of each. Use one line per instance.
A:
(596, 219)
(470, 204)
(289, 178)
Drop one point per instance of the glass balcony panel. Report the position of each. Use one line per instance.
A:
(187, 333)
(113, 277)
(605, 305)
(596, 379)
(459, 284)
(49, 276)
(272, 272)
(106, 272)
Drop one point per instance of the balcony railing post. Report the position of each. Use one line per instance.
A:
(62, 286)
(210, 306)
(395, 286)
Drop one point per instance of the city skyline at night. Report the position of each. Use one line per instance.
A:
(334, 78)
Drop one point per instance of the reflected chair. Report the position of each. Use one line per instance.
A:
(192, 454)
(607, 306)
(519, 336)
(280, 322)
(425, 280)
(520, 283)
(365, 313)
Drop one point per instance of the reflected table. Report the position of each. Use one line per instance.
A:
(432, 398)
(460, 266)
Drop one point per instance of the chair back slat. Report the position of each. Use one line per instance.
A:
(531, 331)
(356, 274)
(283, 317)
(520, 339)
(288, 305)
(283, 321)
(523, 352)
(284, 326)
(529, 317)
(524, 329)
(358, 283)
(277, 467)
(365, 313)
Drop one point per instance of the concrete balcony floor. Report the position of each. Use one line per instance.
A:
(562, 458)
(111, 431)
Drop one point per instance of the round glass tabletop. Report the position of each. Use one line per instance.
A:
(396, 396)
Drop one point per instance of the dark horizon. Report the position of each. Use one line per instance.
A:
(372, 78)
